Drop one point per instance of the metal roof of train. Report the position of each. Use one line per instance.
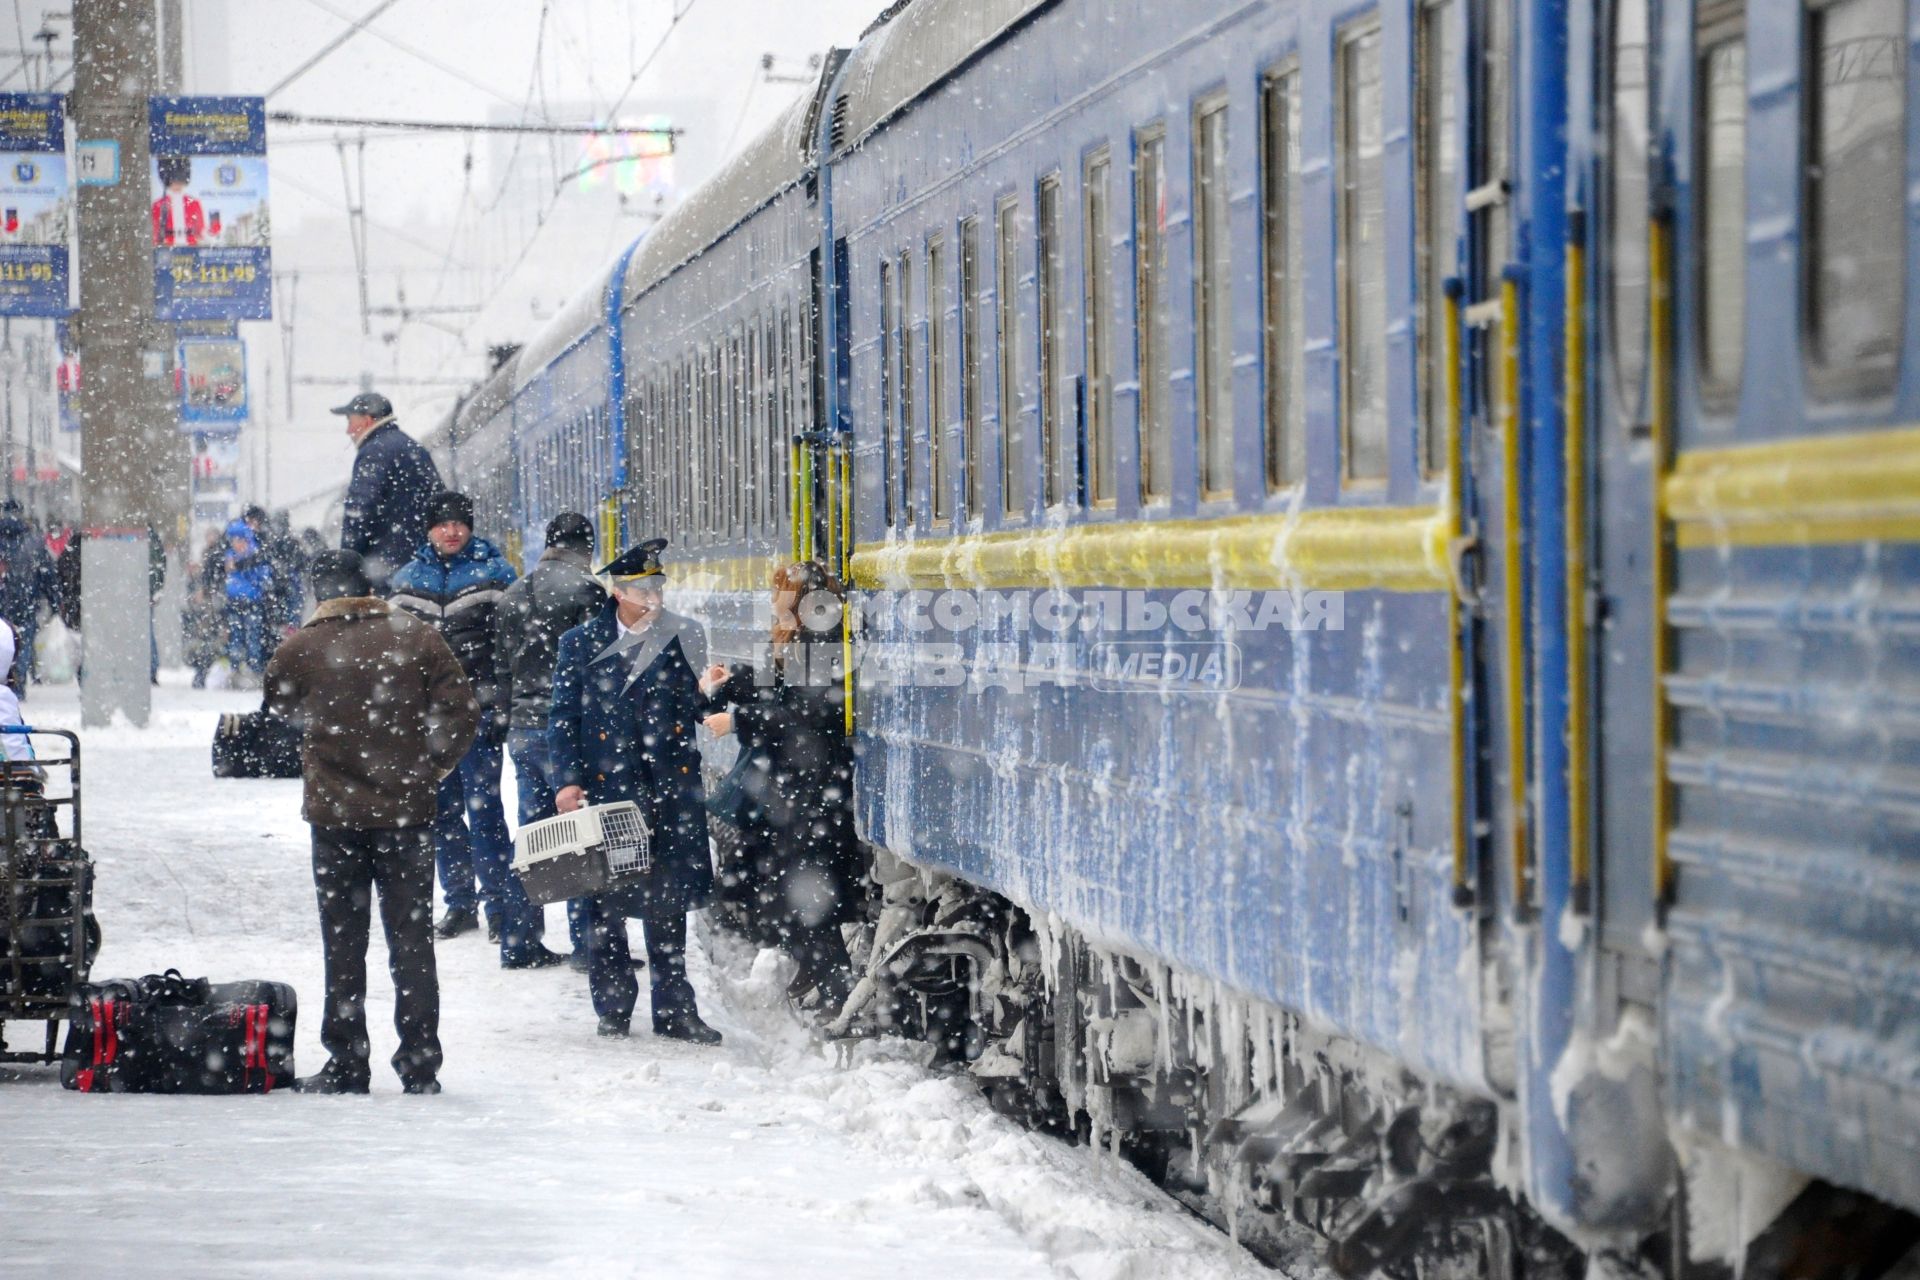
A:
(579, 314)
(769, 164)
(916, 48)
(491, 396)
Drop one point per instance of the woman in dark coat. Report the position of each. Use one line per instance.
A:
(625, 706)
(791, 793)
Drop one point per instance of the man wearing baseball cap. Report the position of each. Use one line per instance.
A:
(393, 481)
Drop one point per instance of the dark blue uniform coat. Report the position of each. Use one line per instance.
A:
(629, 735)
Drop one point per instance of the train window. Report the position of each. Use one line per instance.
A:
(1439, 173)
(1013, 436)
(726, 470)
(1626, 270)
(1361, 259)
(904, 272)
(746, 464)
(1149, 310)
(790, 423)
(1283, 281)
(1213, 298)
(1722, 185)
(1097, 298)
(1056, 449)
(708, 427)
(1856, 175)
(771, 433)
(888, 405)
(970, 346)
(937, 380)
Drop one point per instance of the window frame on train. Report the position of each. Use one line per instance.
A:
(971, 419)
(1210, 219)
(938, 445)
(1006, 307)
(1360, 251)
(1283, 292)
(1096, 300)
(1850, 373)
(909, 418)
(1152, 374)
(1058, 460)
(884, 348)
(1438, 172)
(1720, 232)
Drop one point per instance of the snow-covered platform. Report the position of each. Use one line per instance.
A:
(552, 1151)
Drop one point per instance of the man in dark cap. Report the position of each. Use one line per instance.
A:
(625, 704)
(387, 714)
(454, 583)
(393, 480)
(557, 595)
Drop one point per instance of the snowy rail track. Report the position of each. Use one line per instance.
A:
(552, 1151)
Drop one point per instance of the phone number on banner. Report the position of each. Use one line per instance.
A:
(207, 284)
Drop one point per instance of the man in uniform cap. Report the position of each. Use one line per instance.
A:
(393, 481)
(625, 704)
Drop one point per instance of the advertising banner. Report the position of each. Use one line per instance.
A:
(212, 228)
(213, 381)
(66, 376)
(36, 204)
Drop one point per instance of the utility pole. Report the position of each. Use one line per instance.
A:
(131, 437)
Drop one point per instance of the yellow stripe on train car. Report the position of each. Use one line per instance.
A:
(1857, 487)
(1328, 549)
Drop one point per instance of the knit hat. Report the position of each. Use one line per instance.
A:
(450, 506)
(570, 529)
(338, 573)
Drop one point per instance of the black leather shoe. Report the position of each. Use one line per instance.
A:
(612, 1026)
(426, 1086)
(331, 1079)
(688, 1027)
(534, 957)
(455, 923)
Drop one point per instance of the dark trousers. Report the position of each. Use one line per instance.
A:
(471, 840)
(533, 776)
(610, 963)
(347, 867)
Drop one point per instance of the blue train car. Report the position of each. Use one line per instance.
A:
(1386, 684)
(569, 410)
(717, 314)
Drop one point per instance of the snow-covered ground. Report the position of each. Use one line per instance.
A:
(552, 1151)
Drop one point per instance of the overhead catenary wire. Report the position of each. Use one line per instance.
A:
(359, 24)
(560, 128)
(416, 53)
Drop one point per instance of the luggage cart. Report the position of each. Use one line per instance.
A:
(48, 936)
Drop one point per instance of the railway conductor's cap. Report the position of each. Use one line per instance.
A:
(638, 566)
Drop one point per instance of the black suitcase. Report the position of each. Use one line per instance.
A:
(254, 744)
(167, 1034)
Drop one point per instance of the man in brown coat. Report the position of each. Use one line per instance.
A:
(387, 714)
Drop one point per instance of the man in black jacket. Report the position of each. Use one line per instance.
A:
(393, 481)
(558, 595)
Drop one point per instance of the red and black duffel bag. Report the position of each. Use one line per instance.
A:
(165, 1033)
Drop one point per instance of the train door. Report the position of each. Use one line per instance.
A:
(1491, 494)
(1613, 477)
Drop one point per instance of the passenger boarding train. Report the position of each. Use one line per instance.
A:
(1556, 905)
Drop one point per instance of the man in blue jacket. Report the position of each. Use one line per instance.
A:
(625, 704)
(393, 481)
(454, 584)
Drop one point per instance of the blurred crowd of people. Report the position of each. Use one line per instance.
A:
(246, 592)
